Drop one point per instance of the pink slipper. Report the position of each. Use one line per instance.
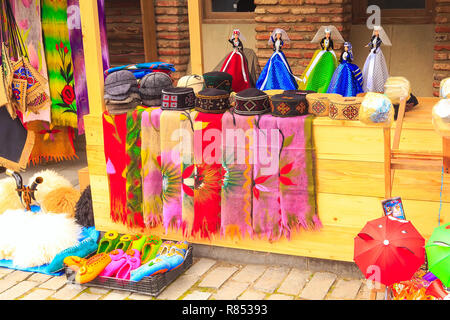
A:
(118, 259)
(133, 261)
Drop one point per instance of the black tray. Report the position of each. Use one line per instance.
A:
(152, 286)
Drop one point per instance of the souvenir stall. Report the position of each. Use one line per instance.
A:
(158, 152)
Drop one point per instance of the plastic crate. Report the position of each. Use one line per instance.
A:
(152, 286)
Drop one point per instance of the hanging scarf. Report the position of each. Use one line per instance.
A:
(59, 62)
(53, 143)
(236, 205)
(28, 18)
(151, 167)
(208, 176)
(103, 35)
(114, 136)
(134, 167)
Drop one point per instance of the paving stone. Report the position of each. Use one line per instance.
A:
(6, 284)
(54, 283)
(5, 271)
(216, 277)
(250, 273)
(38, 294)
(317, 288)
(230, 290)
(200, 267)
(17, 275)
(178, 287)
(198, 295)
(346, 289)
(17, 290)
(252, 294)
(88, 296)
(137, 296)
(116, 295)
(271, 279)
(294, 282)
(99, 291)
(39, 277)
(277, 296)
(68, 292)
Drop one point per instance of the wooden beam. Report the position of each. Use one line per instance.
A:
(195, 35)
(387, 163)
(149, 30)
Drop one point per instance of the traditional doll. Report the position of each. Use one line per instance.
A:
(236, 64)
(277, 73)
(347, 80)
(375, 71)
(318, 74)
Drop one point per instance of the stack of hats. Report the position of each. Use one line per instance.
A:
(218, 80)
(211, 100)
(252, 101)
(289, 105)
(194, 81)
(178, 99)
(151, 87)
(121, 92)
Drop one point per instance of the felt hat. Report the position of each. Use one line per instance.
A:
(178, 99)
(119, 85)
(252, 101)
(288, 105)
(218, 80)
(194, 81)
(151, 86)
(211, 100)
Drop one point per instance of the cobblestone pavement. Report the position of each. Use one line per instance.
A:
(207, 279)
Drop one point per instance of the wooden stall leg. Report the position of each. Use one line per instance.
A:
(398, 130)
(446, 154)
(387, 163)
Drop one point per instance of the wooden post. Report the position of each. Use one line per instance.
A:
(387, 163)
(195, 35)
(149, 30)
(446, 154)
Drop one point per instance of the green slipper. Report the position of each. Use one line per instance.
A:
(108, 242)
(150, 249)
(125, 242)
(139, 242)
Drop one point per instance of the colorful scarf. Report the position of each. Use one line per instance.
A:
(208, 176)
(59, 62)
(135, 216)
(236, 205)
(114, 136)
(28, 18)
(52, 143)
(151, 167)
(103, 35)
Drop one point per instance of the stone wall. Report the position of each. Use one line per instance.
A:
(442, 44)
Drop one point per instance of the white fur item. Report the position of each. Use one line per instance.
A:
(51, 181)
(9, 200)
(33, 239)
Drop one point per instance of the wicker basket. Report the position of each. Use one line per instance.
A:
(319, 103)
(345, 108)
(151, 286)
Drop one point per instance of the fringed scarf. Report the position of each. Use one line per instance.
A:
(52, 143)
(208, 176)
(151, 167)
(134, 167)
(28, 18)
(237, 161)
(59, 62)
(114, 136)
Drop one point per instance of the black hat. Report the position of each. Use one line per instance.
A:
(212, 100)
(252, 101)
(288, 105)
(178, 99)
(218, 80)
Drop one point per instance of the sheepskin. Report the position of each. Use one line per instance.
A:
(84, 213)
(33, 239)
(9, 200)
(52, 181)
(62, 199)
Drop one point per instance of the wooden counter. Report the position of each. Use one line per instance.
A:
(350, 185)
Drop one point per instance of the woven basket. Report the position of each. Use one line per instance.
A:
(345, 108)
(319, 103)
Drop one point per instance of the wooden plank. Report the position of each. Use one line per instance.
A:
(149, 30)
(387, 163)
(83, 178)
(195, 35)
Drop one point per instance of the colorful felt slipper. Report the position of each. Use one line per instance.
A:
(92, 268)
(82, 249)
(150, 249)
(139, 242)
(125, 242)
(133, 261)
(118, 259)
(74, 262)
(153, 267)
(108, 242)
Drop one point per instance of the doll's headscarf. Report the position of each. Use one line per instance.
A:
(350, 51)
(283, 33)
(238, 32)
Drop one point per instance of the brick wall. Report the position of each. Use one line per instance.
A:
(300, 19)
(442, 44)
(172, 27)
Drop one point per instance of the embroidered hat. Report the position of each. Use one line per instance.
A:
(252, 102)
(345, 108)
(119, 85)
(288, 105)
(218, 80)
(178, 99)
(151, 87)
(211, 100)
(194, 81)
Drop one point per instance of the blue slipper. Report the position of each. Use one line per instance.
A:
(82, 250)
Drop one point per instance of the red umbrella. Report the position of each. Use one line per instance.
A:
(389, 250)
